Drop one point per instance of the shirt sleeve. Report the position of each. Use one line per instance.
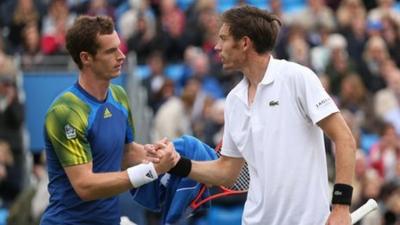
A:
(314, 100)
(229, 147)
(66, 131)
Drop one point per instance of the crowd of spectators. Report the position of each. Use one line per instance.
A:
(352, 45)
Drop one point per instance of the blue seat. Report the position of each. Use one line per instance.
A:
(174, 71)
(3, 216)
(184, 4)
(223, 5)
(367, 140)
(262, 4)
(290, 6)
(397, 6)
(142, 71)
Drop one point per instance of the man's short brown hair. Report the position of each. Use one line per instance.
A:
(259, 25)
(82, 36)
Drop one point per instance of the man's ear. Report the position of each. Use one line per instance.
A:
(86, 58)
(246, 43)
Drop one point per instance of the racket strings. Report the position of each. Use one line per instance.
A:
(243, 181)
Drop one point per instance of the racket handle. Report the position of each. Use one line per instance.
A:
(359, 213)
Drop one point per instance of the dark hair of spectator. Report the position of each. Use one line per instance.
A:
(383, 127)
(259, 25)
(82, 36)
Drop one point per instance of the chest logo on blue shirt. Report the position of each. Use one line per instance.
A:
(107, 114)
(70, 132)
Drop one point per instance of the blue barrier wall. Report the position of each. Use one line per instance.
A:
(41, 89)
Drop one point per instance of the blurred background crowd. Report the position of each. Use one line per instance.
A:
(177, 84)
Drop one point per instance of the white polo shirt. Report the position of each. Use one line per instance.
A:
(283, 146)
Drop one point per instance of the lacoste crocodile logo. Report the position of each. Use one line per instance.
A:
(273, 103)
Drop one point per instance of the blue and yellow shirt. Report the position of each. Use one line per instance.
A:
(80, 129)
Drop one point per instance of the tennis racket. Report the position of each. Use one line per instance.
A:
(240, 186)
(359, 213)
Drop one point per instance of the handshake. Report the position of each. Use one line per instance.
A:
(156, 159)
(162, 154)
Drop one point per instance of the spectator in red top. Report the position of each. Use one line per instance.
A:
(55, 25)
(384, 156)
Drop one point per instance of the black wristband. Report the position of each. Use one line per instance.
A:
(182, 168)
(342, 194)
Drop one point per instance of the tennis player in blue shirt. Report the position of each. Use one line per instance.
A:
(90, 135)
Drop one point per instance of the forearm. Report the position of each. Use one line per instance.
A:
(341, 199)
(90, 186)
(345, 148)
(345, 165)
(207, 173)
(345, 161)
(103, 185)
(216, 172)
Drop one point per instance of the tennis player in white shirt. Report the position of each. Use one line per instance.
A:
(275, 119)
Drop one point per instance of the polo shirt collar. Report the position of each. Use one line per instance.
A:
(268, 78)
(241, 90)
(269, 75)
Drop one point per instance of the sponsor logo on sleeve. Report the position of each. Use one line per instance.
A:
(70, 132)
(322, 102)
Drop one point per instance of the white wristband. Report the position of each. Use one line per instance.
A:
(142, 174)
